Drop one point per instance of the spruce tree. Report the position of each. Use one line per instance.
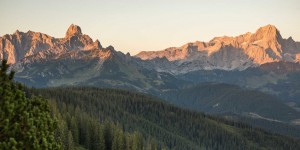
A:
(25, 123)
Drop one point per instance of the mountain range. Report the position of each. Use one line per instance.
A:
(210, 77)
(262, 60)
(266, 45)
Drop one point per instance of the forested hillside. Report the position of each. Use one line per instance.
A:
(160, 124)
(243, 104)
(77, 129)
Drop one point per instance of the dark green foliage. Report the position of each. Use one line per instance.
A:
(25, 123)
(79, 129)
(170, 126)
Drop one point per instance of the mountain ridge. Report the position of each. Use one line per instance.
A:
(20, 45)
(225, 52)
(67, 57)
(229, 53)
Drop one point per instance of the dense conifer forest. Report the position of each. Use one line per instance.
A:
(156, 123)
(79, 129)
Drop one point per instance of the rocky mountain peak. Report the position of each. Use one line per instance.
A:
(268, 32)
(290, 39)
(36, 46)
(268, 29)
(73, 30)
(17, 32)
(97, 44)
(110, 48)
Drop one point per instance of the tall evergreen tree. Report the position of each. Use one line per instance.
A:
(70, 141)
(25, 123)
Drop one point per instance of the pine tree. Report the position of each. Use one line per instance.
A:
(108, 135)
(137, 143)
(25, 123)
(122, 140)
(70, 141)
(101, 139)
(74, 129)
(116, 142)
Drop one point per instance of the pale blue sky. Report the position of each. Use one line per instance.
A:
(135, 25)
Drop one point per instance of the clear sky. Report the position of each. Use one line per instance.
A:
(136, 25)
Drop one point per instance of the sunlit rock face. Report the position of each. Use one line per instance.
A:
(226, 53)
(35, 45)
(229, 53)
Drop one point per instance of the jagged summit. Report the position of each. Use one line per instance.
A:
(266, 45)
(17, 32)
(97, 44)
(268, 27)
(35, 45)
(73, 30)
(268, 32)
(110, 47)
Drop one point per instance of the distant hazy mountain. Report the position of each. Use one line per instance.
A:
(266, 45)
